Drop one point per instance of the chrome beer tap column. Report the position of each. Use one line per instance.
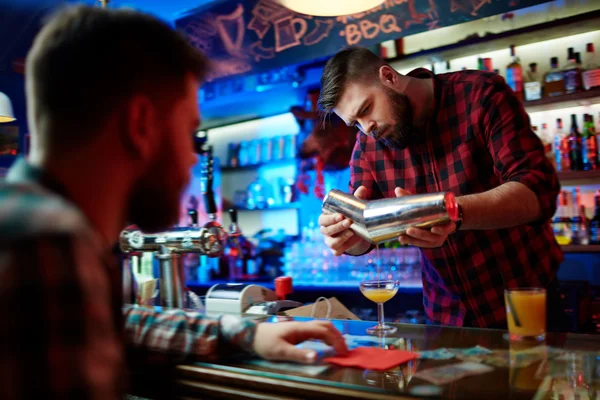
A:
(168, 246)
(206, 184)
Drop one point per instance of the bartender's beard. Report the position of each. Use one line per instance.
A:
(155, 201)
(403, 132)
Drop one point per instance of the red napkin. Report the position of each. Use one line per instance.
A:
(373, 358)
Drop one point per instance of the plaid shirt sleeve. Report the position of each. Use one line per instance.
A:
(360, 171)
(517, 152)
(59, 338)
(178, 334)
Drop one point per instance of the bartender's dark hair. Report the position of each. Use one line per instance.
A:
(351, 64)
(87, 62)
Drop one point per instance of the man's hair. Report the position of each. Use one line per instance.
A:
(349, 65)
(87, 62)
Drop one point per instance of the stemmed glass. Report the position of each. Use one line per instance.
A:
(379, 291)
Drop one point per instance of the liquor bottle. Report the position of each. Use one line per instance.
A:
(554, 80)
(590, 57)
(547, 142)
(575, 145)
(558, 137)
(580, 233)
(514, 74)
(590, 159)
(595, 222)
(584, 154)
(572, 74)
(533, 84)
(561, 223)
(593, 141)
(591, 74)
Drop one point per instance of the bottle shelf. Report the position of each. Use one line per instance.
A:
(565, 101)
(578, 248)
(475, 45)
(251, 167)
(579, 176)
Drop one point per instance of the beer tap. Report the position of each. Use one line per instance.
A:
(169, 245)
(233, 249)
(206, 185)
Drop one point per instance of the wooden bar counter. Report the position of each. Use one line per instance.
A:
(566, 366)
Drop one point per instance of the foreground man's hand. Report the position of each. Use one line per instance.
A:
(277, 341)
(338, 237)
(434, 237)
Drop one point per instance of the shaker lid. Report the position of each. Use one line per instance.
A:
(451, 207)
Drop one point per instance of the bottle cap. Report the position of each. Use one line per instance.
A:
(589, 47)
(283, 286)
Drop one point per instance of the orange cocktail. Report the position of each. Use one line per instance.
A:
(526, 313)
(379, 291)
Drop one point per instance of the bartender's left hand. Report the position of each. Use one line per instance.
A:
(276, 341)
(434, 237)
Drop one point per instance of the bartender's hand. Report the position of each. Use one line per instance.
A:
(276, 341)
(335, 229)
(434, 237)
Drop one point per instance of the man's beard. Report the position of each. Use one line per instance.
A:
(402, 134)
(154, 206)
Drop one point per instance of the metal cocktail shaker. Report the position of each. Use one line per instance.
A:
(379, 221)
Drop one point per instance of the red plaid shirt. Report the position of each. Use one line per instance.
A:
(65, 332)
(480, 139)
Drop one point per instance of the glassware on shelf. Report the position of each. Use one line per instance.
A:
(240, 198)
(289, 147)
(278, 144)
(243, 155)
(233, 155)
(266, 150)
(257, 196)
(254, 152)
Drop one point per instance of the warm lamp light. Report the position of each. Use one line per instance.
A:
(329, 8)
(6, 110)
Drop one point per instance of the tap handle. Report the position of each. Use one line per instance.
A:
(207, 182)
(233, 215)
(193, 217)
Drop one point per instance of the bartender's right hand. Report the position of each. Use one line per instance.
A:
(335, 228)
(277, 341)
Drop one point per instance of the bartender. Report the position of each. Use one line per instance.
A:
(464, 132)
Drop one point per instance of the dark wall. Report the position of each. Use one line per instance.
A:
(19, 23)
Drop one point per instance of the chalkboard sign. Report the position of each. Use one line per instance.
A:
(253, 36)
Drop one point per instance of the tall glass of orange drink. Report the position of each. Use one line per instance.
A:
(526, 313)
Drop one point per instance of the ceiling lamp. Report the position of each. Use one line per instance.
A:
(329, 8)
(6, 110)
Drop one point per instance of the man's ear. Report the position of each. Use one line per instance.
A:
(388, 76)
(141, 127)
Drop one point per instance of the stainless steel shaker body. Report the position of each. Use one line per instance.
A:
(384, 220)
(351, 207)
